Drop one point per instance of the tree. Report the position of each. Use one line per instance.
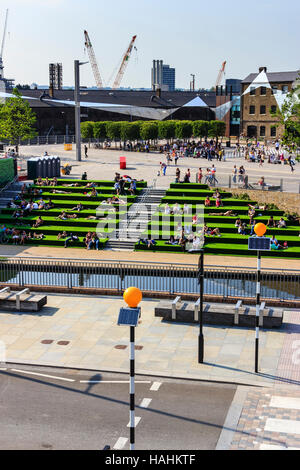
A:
(184, 129)
(167, 129)
(113, 130)
(149, 130)
(17, 120)
(100, 130)
(289, 117)
(87, 129)
(216, 129)
(130, 131)
(200, 128)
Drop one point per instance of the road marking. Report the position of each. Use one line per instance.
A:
(273, 447)
(120, 443)
(137, 419)
(155, 386)
(43, 375)
(285, 402)
(145, 402)
(288, 426)
(113, 381)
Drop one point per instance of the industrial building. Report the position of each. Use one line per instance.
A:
(162, 76)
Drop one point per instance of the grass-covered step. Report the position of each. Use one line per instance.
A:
(77, 197)
(80, 214)
(65, 222)
(196, 193)
(218, 210)
(55, 229)
(139, 184)
(184, 186)
(87, 204)
(217, 218)
(51, 240)
(220, 249)
(227, 202)
(80, 189)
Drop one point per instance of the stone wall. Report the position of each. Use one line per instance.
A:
(288, 202)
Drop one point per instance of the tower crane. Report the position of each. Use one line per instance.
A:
(93, 60)
(2, 46)
(220, 74)
(124, 64)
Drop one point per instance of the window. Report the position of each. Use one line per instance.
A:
(262, 131)
(252, 109)
(273, 108)
(263, 109)
(263, 90)
(273, 131)
(274, 89)
(285, 89)
(252, 90)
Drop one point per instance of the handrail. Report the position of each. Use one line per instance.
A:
(5, 188)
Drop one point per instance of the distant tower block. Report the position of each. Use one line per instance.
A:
(55, 76)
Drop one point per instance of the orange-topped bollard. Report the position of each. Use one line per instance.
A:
(260, 229)
(132, 296)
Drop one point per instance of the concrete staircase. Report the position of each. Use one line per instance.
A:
(137, 220)
(9, 193)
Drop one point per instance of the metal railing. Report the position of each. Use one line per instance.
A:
(227, 282)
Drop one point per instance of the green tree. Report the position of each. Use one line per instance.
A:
(17, 120)
(149, 130)
(113, 130)
(167, 129)
(100, 130)
(216, 129)
(200, 128)
(289, 117)
(184, 129)
(130, 131)
(87, 129)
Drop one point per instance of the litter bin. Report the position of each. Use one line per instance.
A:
(122, 163)
(68, 147)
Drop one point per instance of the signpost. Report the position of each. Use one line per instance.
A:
(258, 243)
(130, 316)
(201, 284)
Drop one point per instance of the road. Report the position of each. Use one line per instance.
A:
(46, 408)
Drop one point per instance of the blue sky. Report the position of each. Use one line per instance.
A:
(192, 36)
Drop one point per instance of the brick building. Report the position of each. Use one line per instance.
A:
(258, 105)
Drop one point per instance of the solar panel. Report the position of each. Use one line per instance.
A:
(129, 316)
(259, 243)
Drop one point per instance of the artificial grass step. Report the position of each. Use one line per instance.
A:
(90, 204)
(200, 200)
(184, 186)
(77, 197)
(226, 228)
(139, 184)
(58, 211)
(54, 230)
(51, 240)
(197, 193)
(82, 189)
(63, 223)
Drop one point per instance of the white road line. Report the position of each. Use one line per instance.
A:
(288, 426)
(290, 403)
(43, 375)
(120, 443)
(137, 419)
(113, 381)
(273, 447)
(145, 402)
(155, 386)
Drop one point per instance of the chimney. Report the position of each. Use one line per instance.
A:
(51, 91)
(158, 92)
(262, 69)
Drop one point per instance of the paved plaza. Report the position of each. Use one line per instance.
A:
(102, 164)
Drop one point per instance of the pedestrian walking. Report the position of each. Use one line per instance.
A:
(85, 151)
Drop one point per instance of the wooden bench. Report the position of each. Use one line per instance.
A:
(219, 313)
(22, 300)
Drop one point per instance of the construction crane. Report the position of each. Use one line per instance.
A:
(2, 46)
(124, 64)
(93, 60)
(220, 74)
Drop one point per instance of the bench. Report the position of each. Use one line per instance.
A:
(219, 314)
(21, 301)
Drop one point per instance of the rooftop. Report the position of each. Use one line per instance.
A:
(274, 77)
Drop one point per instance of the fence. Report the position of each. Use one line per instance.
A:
(165, 278)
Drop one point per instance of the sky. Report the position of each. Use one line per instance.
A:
(193, 36)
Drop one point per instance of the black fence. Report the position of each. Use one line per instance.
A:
(226, 282)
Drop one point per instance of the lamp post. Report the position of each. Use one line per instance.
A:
(258, 243)
(77, 64)
(201, 285)
(129, 316)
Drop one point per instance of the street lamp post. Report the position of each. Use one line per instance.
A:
(77, 64)
(130, 316)
(201, 285)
